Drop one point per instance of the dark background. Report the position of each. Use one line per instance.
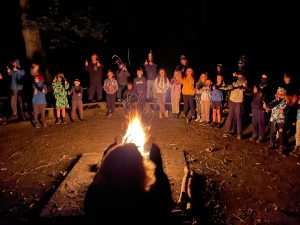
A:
(207, 32)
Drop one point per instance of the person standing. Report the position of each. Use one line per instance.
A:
(122, 78)
(175, 93)
(39, 101)
(110, 87)
(162, 84)
(94, 68)
(183, 64)
(140, 85)
(76, 92)
(16, 73)
(151, 74)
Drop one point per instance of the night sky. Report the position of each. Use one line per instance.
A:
(207, 32)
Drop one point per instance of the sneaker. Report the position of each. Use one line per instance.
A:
(253, 138)
(281, 149)
(259, 140)
(198, 119)
(57, 121)
(160, 116)
(239, 137)
(227, 134)
(63, 120)
(166, 114)
(296, 150)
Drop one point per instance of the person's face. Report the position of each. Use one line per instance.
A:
(183, 62)
(287, 80)
(139, 73)
(129, 86)
(59, 78)
(94, 58)
(189, 72)
(76, 83)
(219, 79)
(110, 74)
(36, 79)
(218, 69)
(162, 73)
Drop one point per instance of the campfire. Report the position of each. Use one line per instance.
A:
(136, 134)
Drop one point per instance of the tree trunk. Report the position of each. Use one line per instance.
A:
(32, 38)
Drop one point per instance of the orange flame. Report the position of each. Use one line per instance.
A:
(136, 134)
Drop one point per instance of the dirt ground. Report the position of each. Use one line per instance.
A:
(239, 182)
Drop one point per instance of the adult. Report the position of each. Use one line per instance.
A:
(132, 192)
(16, 86)
(94, 68)
(122, 79)
(151, 74)
(183, 64)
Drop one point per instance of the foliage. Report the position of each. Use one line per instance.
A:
(62, 27)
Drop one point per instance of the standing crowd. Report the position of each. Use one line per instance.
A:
(274, 108)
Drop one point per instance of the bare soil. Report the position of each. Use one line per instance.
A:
(238, 182)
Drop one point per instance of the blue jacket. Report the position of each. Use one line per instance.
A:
(39, 97)
(16, 77)
(216, 95)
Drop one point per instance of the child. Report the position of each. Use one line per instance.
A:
(161, 85)
(110, 87)
(175, 93)
(278, 120)
(205, 102)
(130, 98)
(198, 90)
(140, 85)
(217, 98)
(60, 86)
(188, 92)
(76, 92)
(39, 101)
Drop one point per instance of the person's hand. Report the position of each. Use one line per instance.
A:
(98, 64)
(8, 69)
(1, 76)
(245, 84)
(146, 62)
(86, 63)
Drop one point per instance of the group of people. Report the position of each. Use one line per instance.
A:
(273, 110)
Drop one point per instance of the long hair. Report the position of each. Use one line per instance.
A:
(159, 76)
